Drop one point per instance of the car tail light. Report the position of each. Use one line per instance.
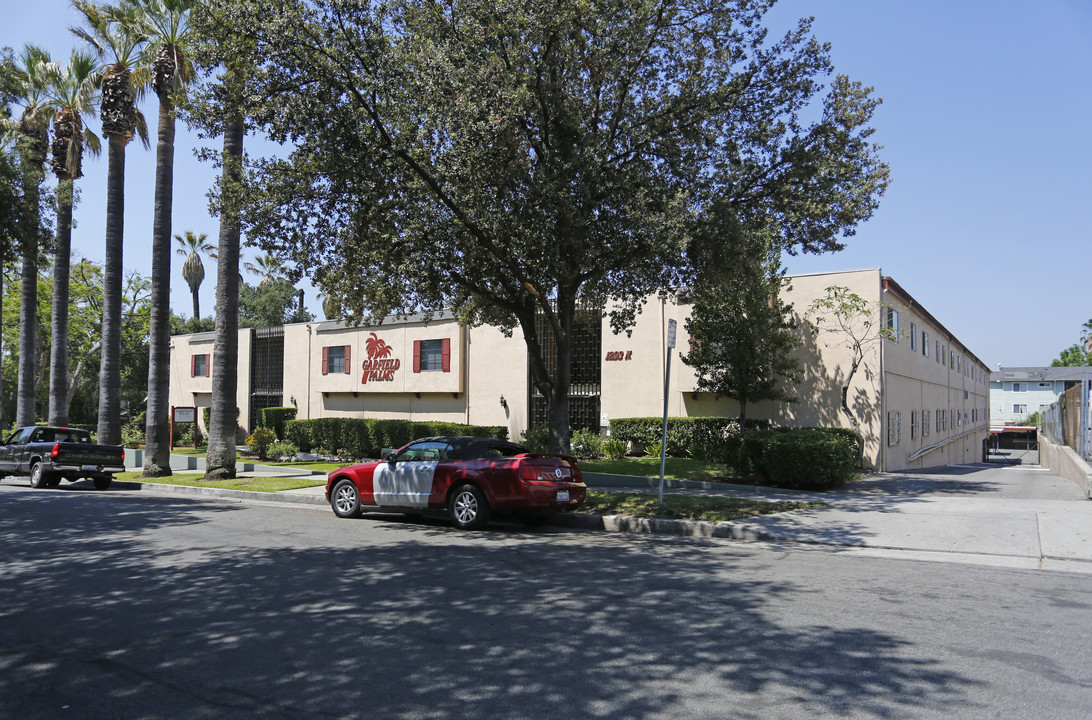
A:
(55, 451)
(529, 472)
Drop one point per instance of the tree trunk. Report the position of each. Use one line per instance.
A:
(110, 372)
(58, 357)
(157, 450)
(220, 457)
(28, 319)
(196, 303)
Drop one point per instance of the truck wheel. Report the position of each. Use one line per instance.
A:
(102, 483)
(38, 477)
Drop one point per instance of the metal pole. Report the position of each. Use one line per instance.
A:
(663, 442)
(671, 330)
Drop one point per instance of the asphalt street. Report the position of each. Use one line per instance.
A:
(128, 605)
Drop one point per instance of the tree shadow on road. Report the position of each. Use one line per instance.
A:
(101, 613)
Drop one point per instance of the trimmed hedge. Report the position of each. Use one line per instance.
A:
(800, 458)
(367, 437)
(703, 438)
(274, 418)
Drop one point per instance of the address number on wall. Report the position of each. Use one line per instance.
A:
(620, 355)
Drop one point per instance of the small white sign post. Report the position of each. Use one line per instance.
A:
(671, 331)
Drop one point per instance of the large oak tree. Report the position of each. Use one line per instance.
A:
(507, 159)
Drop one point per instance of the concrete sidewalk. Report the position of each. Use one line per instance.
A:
(1018, 516)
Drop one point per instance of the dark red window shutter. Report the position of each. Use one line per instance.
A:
(348, 369)
(193, 366)
(445, 354)
(325, 360)
(417, 356)
(208, 365)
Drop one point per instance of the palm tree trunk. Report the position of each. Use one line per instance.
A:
(28, 319)
(196, 307)
(220, 457)
(157, 458)
(110, 371)
(58, 354)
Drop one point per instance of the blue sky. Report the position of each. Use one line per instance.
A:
(984, 124)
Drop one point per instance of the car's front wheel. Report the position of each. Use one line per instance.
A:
(468, 507)
(345, 500)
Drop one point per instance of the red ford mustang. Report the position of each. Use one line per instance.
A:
(471, 477)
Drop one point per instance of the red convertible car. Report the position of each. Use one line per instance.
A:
(471, 477)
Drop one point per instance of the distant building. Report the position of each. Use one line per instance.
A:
(921, 400)
(1016, 393)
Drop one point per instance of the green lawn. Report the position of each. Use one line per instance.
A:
(677, 468)
(683, 507)
(257, 484)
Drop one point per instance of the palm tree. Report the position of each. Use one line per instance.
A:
(268, 267)
(32, 131)
(190, 246)
(166, 23)
(220, 456)
(113, 32)
(72, 95)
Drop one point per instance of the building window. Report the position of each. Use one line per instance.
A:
(925, 343)
(940, 352)
(894, 427)
(959, 363)
(913, 423)
(913, 337)
(1019, 387)
(200, 365)
(1019, 408)
(1047, 385)
(336, 359)
(951, 359)
(925, 420)
(432, 355)
(893, 323)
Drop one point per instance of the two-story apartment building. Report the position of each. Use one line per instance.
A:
(918, 400)
(1017, 392)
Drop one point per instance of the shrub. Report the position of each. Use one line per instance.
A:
(366, 437)
(279, 450)
(614, 448)
(132, 435)
(802, 458)
(260, 440)
(586, 444)
(536, 439)
(702, 438)
(653, 450)
(275, 418)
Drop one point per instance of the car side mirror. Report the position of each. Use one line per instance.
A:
(390, 459)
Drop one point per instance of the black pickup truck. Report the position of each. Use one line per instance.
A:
(51, 454)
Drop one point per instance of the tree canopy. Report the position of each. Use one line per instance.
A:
(506, 159)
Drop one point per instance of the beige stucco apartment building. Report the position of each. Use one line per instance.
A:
(920, 401)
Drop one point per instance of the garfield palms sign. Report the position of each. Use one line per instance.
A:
(379, 366)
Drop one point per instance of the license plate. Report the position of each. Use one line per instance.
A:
(563, 496)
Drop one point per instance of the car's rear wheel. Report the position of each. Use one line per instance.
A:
(345, 500)
(102, 483)
(468, 507)
(39, 478)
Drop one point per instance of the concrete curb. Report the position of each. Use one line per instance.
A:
(576, 521)
(199, 492)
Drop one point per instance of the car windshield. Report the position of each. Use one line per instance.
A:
(426, 451)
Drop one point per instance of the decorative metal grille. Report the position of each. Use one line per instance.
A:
(266, 370)
(584, 365)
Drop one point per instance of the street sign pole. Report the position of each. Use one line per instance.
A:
(671, 331)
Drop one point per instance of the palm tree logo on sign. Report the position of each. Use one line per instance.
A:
(379, 367)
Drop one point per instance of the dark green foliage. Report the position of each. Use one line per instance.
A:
(799, 459)
(703, 438)
(274, 418)
(536, 439)
(368, 437)
(274, 303)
